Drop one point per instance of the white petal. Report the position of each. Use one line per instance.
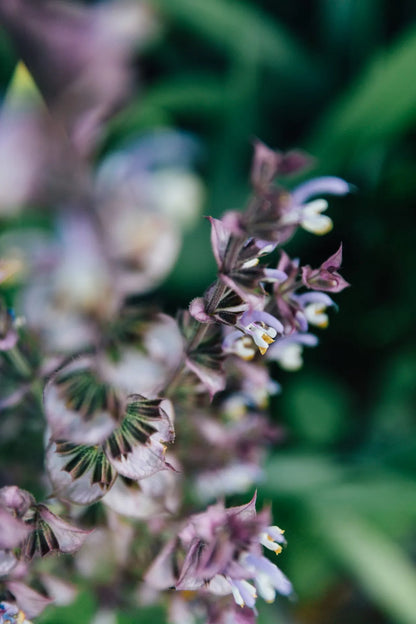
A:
(291, 357)
(143, 461)
(79, 491)
(265, 587)
(317, 224)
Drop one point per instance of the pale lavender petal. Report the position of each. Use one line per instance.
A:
(70, 538)
(197, 310)
(247, 596)
(28, 600)
(144, 460)
(243, 615)
(7, 562)
(160, 574)
(231, 338)
(13, 531)
(276, 534)
(275, 575)
(164, 344)
(265, 164)
(9, 340)
(220, 235)
(16, 499)
(265, 247)
(277, 348)
(212, 378)
(62, 592)
(308, 340)
(301, 320)
(334, 261)
(80, 491)
(314, 297)
(180, 611)
(154, 496)
(68, 424)
(14, 398)
(275, 275)
(245, 512)
(258, 316)
(319, 186)
(255, 301)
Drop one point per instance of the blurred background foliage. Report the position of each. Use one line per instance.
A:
(337, 78)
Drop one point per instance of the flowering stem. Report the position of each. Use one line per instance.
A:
(218, 292)
(19, 362)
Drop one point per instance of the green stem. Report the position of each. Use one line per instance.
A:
(20, 362)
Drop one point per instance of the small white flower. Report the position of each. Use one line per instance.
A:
(262, 334)
(312, 220)
(315, 315)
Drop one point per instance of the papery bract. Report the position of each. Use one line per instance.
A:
(222, 553)
(326, 277)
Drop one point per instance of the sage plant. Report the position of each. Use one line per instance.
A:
(149, 421)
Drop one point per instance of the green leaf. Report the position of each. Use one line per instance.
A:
(300, 474)
(316, 408)
(196, 95)
(385, 498)
(81, 611)
(145, 615)
(381, 567)
(381, 105)
(22, 91)
(240, 30)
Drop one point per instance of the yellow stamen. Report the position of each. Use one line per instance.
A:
(251, 263)
(267, 338)
(247, 358)
(20, 617)
(188, 595)
(263, 350)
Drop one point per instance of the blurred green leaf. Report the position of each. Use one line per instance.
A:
(81, 611)
(309, 567)
(8, 58)
(240, 29)
(350, 27)
(145, 615)
(379, 106)
(385, 498)
(300, 474)
(382, 568)
(194, 95)
(316, 408)
(271, 614)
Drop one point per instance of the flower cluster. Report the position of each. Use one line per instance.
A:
(29, 529)
(219, 552)
(144, 419)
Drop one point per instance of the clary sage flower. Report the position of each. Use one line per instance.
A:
(220, 552)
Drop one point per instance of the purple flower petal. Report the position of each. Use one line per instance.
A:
(16, 499)
(220, 235)
(314, 297)
(259, 316)
(334, 261)
(275, 275)
(13, 531)
(81, 490)
(197, 310)
(8, 562)
(70, 538)
(28, 600)
(319, 186)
